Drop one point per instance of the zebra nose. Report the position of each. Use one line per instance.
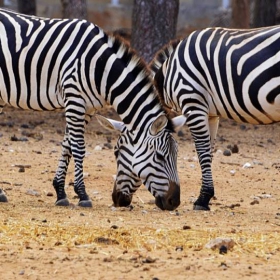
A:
(121, 199)
(171, 200)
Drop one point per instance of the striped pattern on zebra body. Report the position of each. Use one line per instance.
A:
(49, 64)
(217, 72)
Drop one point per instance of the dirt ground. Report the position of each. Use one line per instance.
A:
(41, 241)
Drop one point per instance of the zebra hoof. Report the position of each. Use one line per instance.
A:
(3, 198)
(85, 203)
(62, 202)
(201, 208)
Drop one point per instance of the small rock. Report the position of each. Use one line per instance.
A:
(149, 260)
(223, 250)
(254, 202)
(108, 146)
(186, 227)
(179, 248)
(218, 242)
(98, 148)
(247, 165)
(234, 149)
(32, 192)
(21, 169)
(227, 153)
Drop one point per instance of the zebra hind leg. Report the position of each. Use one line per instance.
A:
(76, 127)
(3, 197)
(59, 179)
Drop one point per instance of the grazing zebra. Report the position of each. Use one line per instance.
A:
(127, 180)
(217, 72)
(49, 64)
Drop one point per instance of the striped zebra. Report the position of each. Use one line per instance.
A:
(49, 64)
(127, 180)
(217, 72)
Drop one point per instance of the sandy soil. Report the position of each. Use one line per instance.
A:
(41, 241)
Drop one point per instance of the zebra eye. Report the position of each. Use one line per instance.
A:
(160, 157)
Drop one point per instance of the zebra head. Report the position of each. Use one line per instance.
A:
(151, 162)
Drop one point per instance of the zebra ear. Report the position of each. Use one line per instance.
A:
(158, 125)
(179, 121)
(109, 123)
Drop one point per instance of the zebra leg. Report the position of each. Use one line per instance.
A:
(59, 179)
(200, 130)
(76, 120)
(213, 126)
(3, 197)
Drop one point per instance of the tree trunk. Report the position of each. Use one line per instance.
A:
(240, 14)
(27, 7)
(74, 9)
(1, 3)
(264, 13)
(153, 25)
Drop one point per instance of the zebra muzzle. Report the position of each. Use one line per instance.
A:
(171, 200)
(121, 199)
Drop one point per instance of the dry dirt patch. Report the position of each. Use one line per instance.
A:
(41, 241)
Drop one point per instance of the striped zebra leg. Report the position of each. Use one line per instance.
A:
(200, 130)
(59, 179)
(76, 121)
(73, 145)
(3, 197)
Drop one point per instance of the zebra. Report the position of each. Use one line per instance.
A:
(219, 72)
(127, 180)
(71, 64)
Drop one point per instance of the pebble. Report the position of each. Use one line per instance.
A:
(227, 153)
(218, 242)
(32, 192)
(247, 165)
(223, 250)
(98, 148)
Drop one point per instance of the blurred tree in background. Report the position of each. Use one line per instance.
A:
(240, 16)
(264, 13)
(1, 3)
(153, 25)
(27, 7)
(74, 9)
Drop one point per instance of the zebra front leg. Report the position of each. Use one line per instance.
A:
(75, 119)
(199, 127)
(3, 197)
(59, 179)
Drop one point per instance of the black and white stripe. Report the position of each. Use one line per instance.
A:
(49, 64)
(217, 72)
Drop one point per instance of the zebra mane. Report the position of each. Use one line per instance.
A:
(163, 54)
(130, 57)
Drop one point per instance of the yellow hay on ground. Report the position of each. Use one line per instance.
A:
(28, 234)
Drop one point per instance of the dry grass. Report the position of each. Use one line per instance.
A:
(34, 233)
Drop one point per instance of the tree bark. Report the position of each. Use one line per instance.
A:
(27, 7)
(264, 13)
(153, 25)
(240, 14)
(74, 9)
